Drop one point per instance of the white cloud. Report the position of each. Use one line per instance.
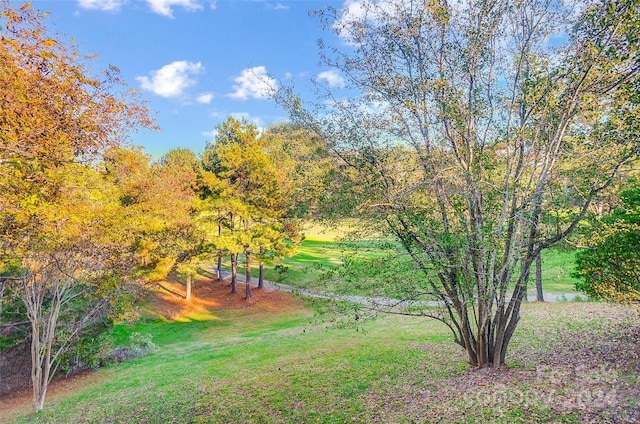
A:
(241, 115)
(164, 7)
(253, 82)
(257, 121)
(280, 6)
(352, 11)
(332, 78)
(210, 134)
(204, 98)
(363, 11)
(171, 80)
(217, 114)
(106, 5)
(223, 116)
(371, 12)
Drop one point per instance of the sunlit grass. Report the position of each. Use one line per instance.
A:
(288, 367)
(333, 233)
(324, 249)
(557, 265)
(284, 358)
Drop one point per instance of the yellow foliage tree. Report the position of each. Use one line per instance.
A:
(62, 242)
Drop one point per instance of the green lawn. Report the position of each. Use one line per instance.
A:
(557, 265)
(305, 268)
(242, 366)
(322, 250)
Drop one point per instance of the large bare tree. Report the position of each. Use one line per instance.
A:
(462, 124)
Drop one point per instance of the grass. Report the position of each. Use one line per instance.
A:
(323, 250)
(572, 362)
(557, 265)
(315, 258)
(304, 269)
(254, 367)
(307, 266)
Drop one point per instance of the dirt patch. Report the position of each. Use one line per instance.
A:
(168, 299)
(18, 402)
(15, 370)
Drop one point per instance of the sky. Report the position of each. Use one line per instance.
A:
(197, 62)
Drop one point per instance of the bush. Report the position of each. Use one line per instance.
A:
(140, 344)
(611, 268)
(91, 351)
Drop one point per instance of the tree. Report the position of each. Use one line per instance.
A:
(161, 203)
(304, 160)
(539, 292)
(275, 240)
(248, 187)
(225, 180)
(72, 272)
(63, 249)
(610, 267)
(178, 174)
(470, 121)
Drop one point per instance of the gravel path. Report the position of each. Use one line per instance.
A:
(380, 301)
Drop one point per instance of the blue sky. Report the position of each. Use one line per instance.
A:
(197, 61)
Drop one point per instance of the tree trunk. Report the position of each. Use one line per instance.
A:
(539, 293)
(247, 255)
(188, 295)
(508, 320)
(2, 286)
(234, 259)
(234, 272)
(36, 370)
(261, 275)
(42, 335)
(261, 269)
(219, 268)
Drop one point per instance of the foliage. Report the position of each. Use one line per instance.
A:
(465, 130)
(161, 201)
(306, 164)
(248, 196)
(243, 170)
(610, 268)
(90, 351)
(65, 248)
(142, 342)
